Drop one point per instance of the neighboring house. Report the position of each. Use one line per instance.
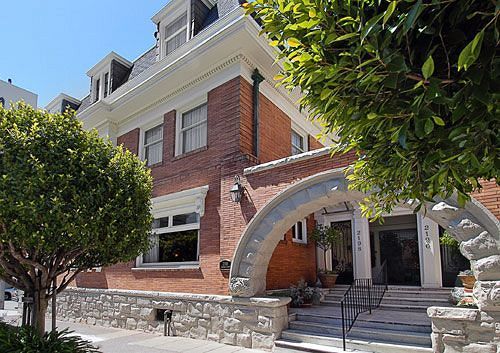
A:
(12, 93)
(202, 109)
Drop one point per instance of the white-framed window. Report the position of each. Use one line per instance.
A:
(153, 145)
(299, 232)
(298, 145)
(192, 129)
(106, 84)
(97, 90)
(176, 33)
(175, 240)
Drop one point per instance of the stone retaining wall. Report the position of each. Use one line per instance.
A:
(464, 330)
(246, 322)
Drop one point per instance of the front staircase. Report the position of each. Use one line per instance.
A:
(400, 325)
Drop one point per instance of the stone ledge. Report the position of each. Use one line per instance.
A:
(458, 314)
(271, 302)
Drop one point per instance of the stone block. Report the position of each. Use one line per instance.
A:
(198, 332)
(124, 308)
(487, 269)
(483, 348)
(262, 341)
(214, 337)
(483, 245)
(244, 340)
(232, 325)
(195, 310)
(245, 314)
(147, 313)
(204, 323)
(144, 302)
(228, 338)
(452, 313)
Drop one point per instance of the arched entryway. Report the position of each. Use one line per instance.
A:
(474, 226)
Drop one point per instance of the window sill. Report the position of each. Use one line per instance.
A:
(167, 267)
(299, 242)
(190, 153)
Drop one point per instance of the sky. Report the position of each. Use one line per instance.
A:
(48, 46)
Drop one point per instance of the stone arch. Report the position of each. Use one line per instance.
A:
(474, 226)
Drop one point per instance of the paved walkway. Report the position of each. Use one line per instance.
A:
(112, 340)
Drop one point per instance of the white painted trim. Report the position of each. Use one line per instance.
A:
(169, 204)
(106, 61)
(58, 99)
(287, 160)
(303, 134)
(304, 232)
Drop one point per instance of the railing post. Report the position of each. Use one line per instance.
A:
(343, 326)
(369, 299)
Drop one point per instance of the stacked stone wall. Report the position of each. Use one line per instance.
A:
(246, 322)
(464, 330)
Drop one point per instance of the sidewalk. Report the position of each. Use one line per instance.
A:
(111, 340)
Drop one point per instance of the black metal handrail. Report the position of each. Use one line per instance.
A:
(363, 295)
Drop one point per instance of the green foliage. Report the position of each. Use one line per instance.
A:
(69, 200)
(448, 240)
(411, 87)
(27, 340)
(326, 237)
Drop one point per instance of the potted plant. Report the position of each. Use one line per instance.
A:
(303, 295)
(326, 237)
(468, 279)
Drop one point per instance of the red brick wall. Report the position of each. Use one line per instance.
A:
(313, 143)
(293, 261)
(489, 197)
(130, 140)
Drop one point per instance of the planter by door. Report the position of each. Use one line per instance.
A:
(328, 280)
(468, 282)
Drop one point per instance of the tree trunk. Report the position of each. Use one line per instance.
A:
(40, 304)
(324, 259)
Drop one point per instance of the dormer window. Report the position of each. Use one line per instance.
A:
(176, 34)
(97, 90)
(106, 84)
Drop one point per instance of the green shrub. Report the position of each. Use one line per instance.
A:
(26, 339)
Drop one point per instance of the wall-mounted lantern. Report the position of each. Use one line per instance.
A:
(237, 190)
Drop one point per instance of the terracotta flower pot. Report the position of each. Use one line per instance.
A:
(467, 281)
(328, 279)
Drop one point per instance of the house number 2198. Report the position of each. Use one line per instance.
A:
(358, 240)
(427, 237)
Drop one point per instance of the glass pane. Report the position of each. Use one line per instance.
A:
(297, 143)
(176, 25)
(194, 116)
(176, 42)
(194, 138)
(187, 218)
(178, 246)
(153, 135)
(152, 255)
(160, 223)
(154, 153)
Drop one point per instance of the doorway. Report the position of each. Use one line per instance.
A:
(395, 245)
(342, 253)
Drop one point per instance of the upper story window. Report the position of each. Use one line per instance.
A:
(298, 145)
(299, 232)
(192, 132)
(106, 84)
(153, 145)
(176, 34)
(97, 90)
(174, 239)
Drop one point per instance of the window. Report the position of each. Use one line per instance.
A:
(153, 145)
(97, 89)
(174, 239)
(193, 129)
(299, 232)
(2, 101)
(297, 143)
(176, 34)
(106, 84)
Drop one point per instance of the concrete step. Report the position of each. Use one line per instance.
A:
(383, 333)
(287, 346)
(405, 307)
(352, 343)
(394, 325)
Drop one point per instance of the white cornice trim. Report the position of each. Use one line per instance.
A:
(106, 60)
(53, 103)
(171, 6)
(287, 160)
(187, 198)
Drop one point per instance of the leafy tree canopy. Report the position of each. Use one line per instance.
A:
(411, 86)
(69, 201)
